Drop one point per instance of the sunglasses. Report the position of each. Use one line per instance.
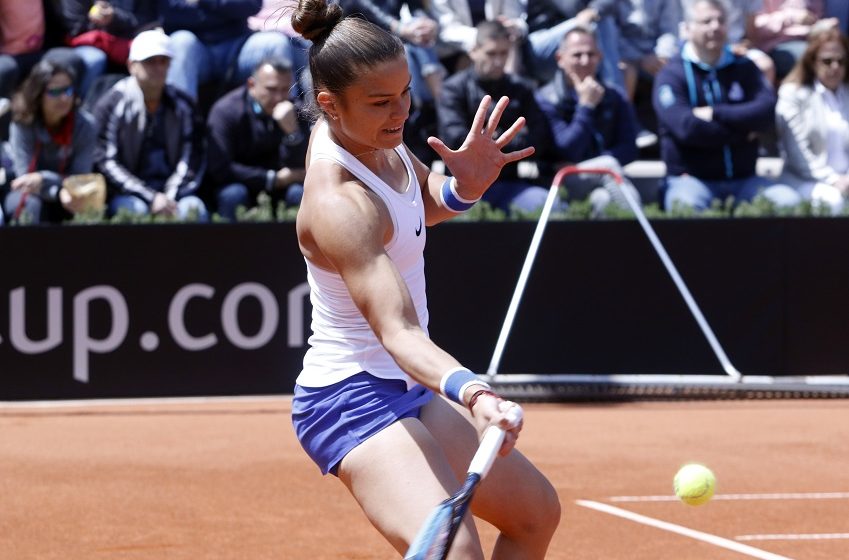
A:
(59, 91)
(826, 61)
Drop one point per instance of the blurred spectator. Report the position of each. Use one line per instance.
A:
(838, 9)
(457, 28)
(740, 21)
(274, 16)
(458, 103)
(258, 141)
(648, 38)
(23, 41)
(151, 143)
(414, 26)
(593, 124)
(213, 44)
(812, 119)
(100, 32)
(548, 22)
(710, 103)
(781, 28)
(49, 140)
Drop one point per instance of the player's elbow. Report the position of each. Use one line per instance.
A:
(398, 340)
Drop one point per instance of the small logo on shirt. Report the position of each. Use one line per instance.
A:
(419, 229)
(665, 96)
(735, 93)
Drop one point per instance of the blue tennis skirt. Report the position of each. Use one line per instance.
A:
(331, 421)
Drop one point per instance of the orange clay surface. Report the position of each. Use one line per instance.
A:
(227, 480)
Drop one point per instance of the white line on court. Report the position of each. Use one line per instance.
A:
(794, 537)
(672, 528)
(742, 497)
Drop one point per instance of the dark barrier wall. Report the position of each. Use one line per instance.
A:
(131, 311)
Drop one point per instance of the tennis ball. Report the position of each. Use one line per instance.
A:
(94, 11)
(694, 484)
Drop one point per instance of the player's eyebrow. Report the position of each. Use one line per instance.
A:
(391, 94)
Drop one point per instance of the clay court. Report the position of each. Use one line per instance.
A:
(226, 479)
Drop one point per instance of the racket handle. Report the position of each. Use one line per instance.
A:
(487, 451)
(491, 443)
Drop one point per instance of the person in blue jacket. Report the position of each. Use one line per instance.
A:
(592, 122)
(711, 104)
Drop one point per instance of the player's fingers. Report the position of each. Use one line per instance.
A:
(513, 416)
(508, 135)
(439, 147)
(480, 115)
(495, 117)
(508, 444)
(510, 157)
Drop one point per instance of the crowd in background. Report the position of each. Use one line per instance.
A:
(188, 109)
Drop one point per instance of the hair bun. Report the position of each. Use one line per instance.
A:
(315, 19)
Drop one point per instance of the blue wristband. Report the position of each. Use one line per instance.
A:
(455, 382)
(451, 200)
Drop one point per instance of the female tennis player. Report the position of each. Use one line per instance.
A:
(378, 404)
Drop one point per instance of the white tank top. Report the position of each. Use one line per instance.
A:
(342, 343)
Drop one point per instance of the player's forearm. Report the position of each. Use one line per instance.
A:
(424, 361)
(418, 356)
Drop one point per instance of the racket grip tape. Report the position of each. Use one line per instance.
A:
(487, 451)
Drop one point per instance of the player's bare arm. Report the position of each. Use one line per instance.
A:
(356, 251)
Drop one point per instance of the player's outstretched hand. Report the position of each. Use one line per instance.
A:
(478, 162)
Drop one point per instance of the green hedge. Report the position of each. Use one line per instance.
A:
(266, 212)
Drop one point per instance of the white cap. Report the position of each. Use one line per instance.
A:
(148, 44)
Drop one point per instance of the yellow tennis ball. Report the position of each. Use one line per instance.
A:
(694, 484)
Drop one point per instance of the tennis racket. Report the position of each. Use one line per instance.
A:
(434, 539)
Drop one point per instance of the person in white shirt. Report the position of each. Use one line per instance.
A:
(812, 121)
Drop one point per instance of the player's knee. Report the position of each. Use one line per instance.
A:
(549, 511)
(543, 517)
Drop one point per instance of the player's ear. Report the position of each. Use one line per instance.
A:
(327, 102)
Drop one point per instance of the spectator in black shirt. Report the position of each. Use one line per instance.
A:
(258, 141)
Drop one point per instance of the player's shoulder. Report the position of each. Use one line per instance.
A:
(339, 219)
(334, 196)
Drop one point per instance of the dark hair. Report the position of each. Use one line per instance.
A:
(804, 72)
(26, 103)
(490, 30)
(342, 47)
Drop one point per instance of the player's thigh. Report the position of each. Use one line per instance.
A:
(398, 476)
(515, 495)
